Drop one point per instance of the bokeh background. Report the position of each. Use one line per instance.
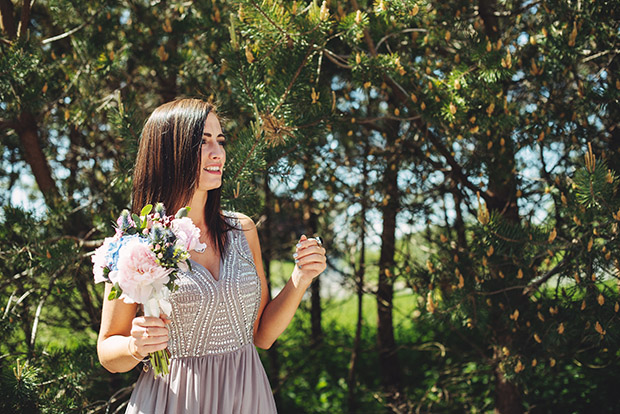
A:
(460, 159)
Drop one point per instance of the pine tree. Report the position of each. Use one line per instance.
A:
(515, 95)
(469, 117)
(78, 80)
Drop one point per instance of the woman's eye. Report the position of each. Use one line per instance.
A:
(204, 141)
(222, 143)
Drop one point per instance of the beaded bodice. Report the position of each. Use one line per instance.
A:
(216, 316)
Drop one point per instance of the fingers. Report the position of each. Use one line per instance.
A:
(148, 334)
(310, 255)
(305, 242)
(310, 258)
(141, 349)
(148, 327)
(312, 264)
(312, 268)
(149, 349)
(145, 321)
(311, 250)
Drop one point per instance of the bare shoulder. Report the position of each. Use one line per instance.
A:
(251, 234)
(247, 224)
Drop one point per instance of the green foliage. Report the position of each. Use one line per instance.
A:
(22, 79)
(593, 189)
(19, 388)
(323, 101)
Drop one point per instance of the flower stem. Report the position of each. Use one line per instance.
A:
(160, 362)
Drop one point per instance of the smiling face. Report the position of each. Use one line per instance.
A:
(213, 155)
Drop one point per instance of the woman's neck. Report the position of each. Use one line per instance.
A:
(197, 209)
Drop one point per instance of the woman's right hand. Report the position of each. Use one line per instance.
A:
(148, 334)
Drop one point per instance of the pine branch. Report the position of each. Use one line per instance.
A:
(369, 42)
(288, 37)
(290, 85)
(245, 161)
(548, 275)
(506, 289)
(386, 117)
(283, 155)
(456, 169)
(334, 59)
(402, 96)
(66, 34)
(387, 36)
(37, 315)
(599, 54)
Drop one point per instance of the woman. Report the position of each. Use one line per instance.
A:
(221, 309)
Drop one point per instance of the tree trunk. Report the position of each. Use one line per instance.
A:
(459, 223)
(272, 353)
(390, 368)
(503, 187)
(614, 148)
(311, 225)
(503, 191)
(71, 161)
(507, 394)
(8, 19)
(359, 290)
(27, 130)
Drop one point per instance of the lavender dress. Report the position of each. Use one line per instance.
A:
(214, 367)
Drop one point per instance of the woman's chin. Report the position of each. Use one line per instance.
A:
(209, 186)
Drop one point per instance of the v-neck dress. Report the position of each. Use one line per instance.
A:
(214, 366)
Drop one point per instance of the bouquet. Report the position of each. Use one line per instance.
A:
(142, 261)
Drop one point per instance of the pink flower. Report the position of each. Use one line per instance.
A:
(188, 235)
(139, 276)
(149, 221)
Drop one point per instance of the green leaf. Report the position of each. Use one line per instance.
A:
(146, 210)
(137, 220)
(182, 212)
(115, 293)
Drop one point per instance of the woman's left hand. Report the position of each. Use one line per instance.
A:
(310, 261)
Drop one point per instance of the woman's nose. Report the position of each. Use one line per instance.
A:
(216, 152)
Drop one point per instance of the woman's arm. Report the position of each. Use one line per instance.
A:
(273, 317)
(125, 339)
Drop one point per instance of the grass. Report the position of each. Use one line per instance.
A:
(342, 312)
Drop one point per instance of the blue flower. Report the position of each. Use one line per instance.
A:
(114, 250)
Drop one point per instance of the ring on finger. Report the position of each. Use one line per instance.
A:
(319, 240)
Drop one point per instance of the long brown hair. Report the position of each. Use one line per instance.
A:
(168, 161)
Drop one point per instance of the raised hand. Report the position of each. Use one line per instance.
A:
(310, 261)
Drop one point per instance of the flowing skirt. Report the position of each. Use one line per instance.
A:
(231, 383)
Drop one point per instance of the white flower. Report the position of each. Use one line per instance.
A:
(183, 266)
(158, 303)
